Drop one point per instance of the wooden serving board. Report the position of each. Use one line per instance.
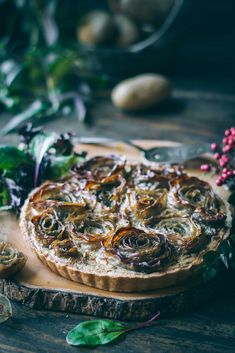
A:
(40, 288)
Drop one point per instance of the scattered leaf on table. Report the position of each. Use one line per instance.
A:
(95, 332)
(98, 332)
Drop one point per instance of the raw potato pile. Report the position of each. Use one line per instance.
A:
(128, 22)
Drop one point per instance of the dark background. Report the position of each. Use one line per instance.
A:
(208, 52)
(208, 47)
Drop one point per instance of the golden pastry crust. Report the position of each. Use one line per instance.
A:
(102, 227)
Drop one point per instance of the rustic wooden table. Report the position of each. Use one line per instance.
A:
(202, 107)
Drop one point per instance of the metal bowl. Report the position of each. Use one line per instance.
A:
(154, 54)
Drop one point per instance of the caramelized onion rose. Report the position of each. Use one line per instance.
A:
(138, 250)
(48, 227)
(182, 232)
(11, 260)
(100, 167)
(89, 229)
(147, 204)
(51, 233)
(108, 192)
(191, 191)
(55, 194)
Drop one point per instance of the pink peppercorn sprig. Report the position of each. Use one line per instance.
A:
(224, 154)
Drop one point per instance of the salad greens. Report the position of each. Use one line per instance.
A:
(40, 156)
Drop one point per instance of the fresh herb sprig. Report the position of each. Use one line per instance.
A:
(40, 156)
(99, 332)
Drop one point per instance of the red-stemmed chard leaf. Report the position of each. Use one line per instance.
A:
(99, 332)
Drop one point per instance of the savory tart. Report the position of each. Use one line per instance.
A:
(125, 227)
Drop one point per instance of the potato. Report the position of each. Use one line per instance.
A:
(97, 28)
(141, 92)
(128, 32)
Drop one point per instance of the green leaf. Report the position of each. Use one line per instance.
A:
(5, 308)
(61, 165)
(39, 145)
(95, 332)
(32, 111)
(12, 157)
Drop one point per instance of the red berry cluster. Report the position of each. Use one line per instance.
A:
(225, 156)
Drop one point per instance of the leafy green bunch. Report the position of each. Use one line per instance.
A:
(42, 70)
(42, 85)
(40, 156)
